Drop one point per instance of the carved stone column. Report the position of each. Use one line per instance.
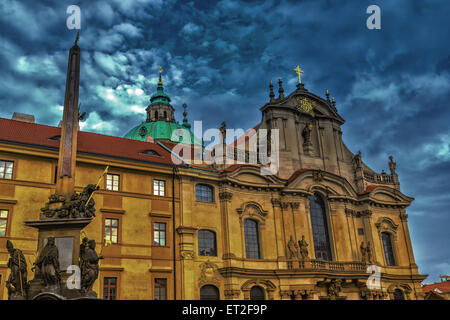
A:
(186, 234)
(404, 223)
(225, 197)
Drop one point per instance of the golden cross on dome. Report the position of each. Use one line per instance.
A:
(160, 69)
(299, 72)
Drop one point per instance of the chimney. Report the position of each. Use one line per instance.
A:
(23, 117)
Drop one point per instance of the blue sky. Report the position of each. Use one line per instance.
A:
(391, 85)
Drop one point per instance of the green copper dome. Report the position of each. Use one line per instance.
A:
(161, 130)
(160, 124)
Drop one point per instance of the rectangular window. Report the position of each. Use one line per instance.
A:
(160, 289)
(112, 182)
(6, 169)
(111, 230)
(159, 187)
(3, 222)
(109, 288)
(159, 234)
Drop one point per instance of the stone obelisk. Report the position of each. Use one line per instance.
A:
(67, 212)
(65, 183)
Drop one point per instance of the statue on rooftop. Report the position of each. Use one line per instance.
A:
(392, 164)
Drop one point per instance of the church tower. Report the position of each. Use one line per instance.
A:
(160, 124)
(160, 107)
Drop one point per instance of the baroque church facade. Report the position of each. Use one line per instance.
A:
(318, 229)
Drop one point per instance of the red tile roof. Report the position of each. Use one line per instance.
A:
(237, 166)
(441, 286)
(245, 137)
(296, 174)
(369, 189)
(39, 135)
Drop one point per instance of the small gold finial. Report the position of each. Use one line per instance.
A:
(299, 72)
(160, 83)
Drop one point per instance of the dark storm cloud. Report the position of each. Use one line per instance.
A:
(391, 85)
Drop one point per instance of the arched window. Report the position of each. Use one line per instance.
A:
(209, 292)
(251, 239)
(207, 243)
(204, 193)
(257, 293)
(319, 228)
(387, 246)
(398, 295)
(165, 115)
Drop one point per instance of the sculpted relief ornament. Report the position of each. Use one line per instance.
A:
(74, 206)
(366, 253)
(209, 274)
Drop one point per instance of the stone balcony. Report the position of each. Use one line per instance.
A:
(322, 265)
(382, 178)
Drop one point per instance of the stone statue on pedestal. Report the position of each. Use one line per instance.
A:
(16, 284)
(303, 248)
(292, 249)
(89, 267)
(48, 266)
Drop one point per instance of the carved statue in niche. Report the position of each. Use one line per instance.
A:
(292, 249)
(303, 245)
(89, 268)
(392, 164)
(16, 284)
(48, 265)
(306, 134)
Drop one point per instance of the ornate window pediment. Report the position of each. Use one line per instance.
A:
(386, 224)
(252, 210)
(266, 285)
